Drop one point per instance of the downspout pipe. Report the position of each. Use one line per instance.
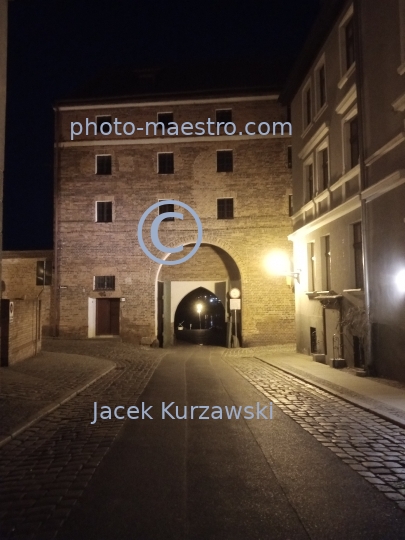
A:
(369, 360)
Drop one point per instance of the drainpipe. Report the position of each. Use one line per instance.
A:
(55, 285)
(37, 310)
(369, 361)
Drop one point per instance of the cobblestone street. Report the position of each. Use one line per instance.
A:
(45, 469)
(370, 445)
(161, 477)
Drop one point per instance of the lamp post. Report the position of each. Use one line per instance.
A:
(199, 309)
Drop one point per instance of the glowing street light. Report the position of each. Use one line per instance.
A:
(199, 309)
(278, 263)
(400, 281)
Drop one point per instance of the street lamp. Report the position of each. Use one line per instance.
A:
(199, 309)
(279, 264)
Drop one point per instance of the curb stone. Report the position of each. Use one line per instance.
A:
(67, 396)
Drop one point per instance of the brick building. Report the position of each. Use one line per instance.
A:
(239, 185)
(27, 275)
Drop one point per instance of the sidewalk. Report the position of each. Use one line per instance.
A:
(32, 388)
(377, 396)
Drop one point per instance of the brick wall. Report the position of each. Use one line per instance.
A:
(260, 184)
(19, 270)
(23, 331)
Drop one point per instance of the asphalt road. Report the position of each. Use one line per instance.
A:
(221, 479)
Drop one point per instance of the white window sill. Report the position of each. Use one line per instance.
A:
(346, 76)
(320, 112)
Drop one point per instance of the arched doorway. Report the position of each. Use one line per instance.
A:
(200, 319)
(211, 268)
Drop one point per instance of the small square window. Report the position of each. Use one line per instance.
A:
(289, 157)
(225, 208)
(105, 130)
(104, 283)
(165, 118)
(104, 212)
(103, 164)
(44, 273)
(166, 208)
(223, 115)
(166, 163)
(224, 161)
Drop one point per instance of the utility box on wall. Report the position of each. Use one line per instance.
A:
(20, 330)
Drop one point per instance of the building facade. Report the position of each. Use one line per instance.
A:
(347, 187)
(239, 185)
(27, 275)
(3, 88)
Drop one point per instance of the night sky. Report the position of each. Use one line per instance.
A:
(57, 45)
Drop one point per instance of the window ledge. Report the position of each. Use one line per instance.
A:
(312, 294)
(346, 76)
(321, 196)
(354, 292)
(401, 69)
(307, 129)
(351, 173)
(320, 112)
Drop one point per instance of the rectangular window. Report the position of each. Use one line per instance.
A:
(166, 163)
(290, 205)
(311, 266)
(103, 120)
(354, 142)
(324, 169)
(309, 177)
(104, 212)
(358, 255)
(349, 43)
(103, 165)
(223, 115)
(225, 208)
(289, 157)
(165, 118)
(44, 273)
(104, 283)
(321, 86)
(326, 281)
(166, 208)
(307, 107)
(224, 161)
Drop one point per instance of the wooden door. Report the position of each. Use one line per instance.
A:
(107, 316)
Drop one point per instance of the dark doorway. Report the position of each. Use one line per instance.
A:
(314, 341)
(107, 316)
(358, 352)
(200, 319)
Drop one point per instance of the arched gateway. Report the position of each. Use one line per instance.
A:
(211, 268)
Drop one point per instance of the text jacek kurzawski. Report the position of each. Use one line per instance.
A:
(171, 411)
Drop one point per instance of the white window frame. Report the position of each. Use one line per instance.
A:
(319, 170)
(311, 265)
(306, 127)
(309, 161)
(157, 161)
(95, 162)
(216, 206)
(318, 107)
(104, 199)
(345, 139)
(344, 72)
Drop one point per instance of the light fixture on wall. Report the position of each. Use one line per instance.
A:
(278, 263)
(400, 281)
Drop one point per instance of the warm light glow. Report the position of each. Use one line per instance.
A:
(400, 281)
(199, 308)
(277, 263)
